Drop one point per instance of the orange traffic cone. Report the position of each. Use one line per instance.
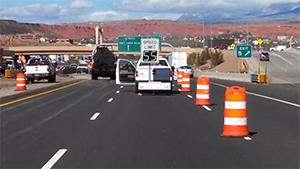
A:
(202, 93)
(186, 83)
(179, 78)
(21, 81)
(235, 112)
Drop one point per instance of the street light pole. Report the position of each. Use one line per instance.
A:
(203, 34)
(210, 34)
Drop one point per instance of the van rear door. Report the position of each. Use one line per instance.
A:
(125, 72)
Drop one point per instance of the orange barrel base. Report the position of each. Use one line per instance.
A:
(235, 131)
(21, 81)
(203, 102)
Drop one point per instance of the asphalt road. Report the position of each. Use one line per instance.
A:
(282, 65)
(153, 130)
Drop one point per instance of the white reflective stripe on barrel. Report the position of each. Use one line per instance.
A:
(237, 121)
(204, 87)
(19, 79)
(186, 79)
(21, 84)
(185, 85)
(179, 80)
(235, 105)
(180, 75)
(202, 96)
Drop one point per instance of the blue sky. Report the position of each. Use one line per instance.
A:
(74, 11)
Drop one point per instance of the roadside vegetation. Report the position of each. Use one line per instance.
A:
(214, 57)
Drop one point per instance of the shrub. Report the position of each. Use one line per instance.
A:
(202, 59)
(191, 60)
(216, 58)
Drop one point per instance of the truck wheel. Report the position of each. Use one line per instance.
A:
(94, 77)
(54, 78)
(170, 91)
(31, 80)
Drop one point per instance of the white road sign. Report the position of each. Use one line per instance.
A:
(150, 50)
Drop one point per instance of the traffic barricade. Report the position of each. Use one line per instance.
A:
(202, 92)
(262, 78)
(186, 83)
(21, 81)
(235, 112)
(179, 78)
(254, 78)
(9, 73)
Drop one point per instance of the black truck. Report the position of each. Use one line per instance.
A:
(104, 63)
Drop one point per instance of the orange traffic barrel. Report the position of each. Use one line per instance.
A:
(179, 77)
(235, 112)
(202, 92)
(21, 81)
(186, 83)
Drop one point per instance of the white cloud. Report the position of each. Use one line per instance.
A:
(52, 13)
(79, 4)
(184, 6)
(106, 16)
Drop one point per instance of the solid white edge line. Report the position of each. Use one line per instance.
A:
(283, 59)
(118, 92)
(262, 96)
(248, 138)
(54, 159)
(95, 116)
(207, 108)
(189, 96)
(110, 100)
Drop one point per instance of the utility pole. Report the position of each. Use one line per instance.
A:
(247, 32)
(210, 34)
(203, 33)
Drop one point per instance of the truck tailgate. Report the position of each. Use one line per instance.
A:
(36, 69)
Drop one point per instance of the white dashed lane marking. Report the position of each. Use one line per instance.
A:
(207, 108)
(110, 100)
(118, 92)
(95, 116)
(121, 87)
(189, 96)
(54, 159)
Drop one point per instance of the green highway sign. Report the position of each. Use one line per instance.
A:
(133, 43)
(243, 51)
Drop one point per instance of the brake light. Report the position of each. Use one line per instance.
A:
(136, 73)
(47, 68)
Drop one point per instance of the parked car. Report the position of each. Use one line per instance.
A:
(264, 56)
(186, 69)
(83, 67)
(73, 65)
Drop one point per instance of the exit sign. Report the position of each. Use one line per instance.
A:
(244, 51)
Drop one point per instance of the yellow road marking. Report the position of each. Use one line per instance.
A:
(39, 94)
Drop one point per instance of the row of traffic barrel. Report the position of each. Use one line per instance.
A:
(235, 111)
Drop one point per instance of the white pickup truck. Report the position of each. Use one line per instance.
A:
(278, 48)
(40, 68)
(160, 78)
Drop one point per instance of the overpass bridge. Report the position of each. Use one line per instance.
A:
(83, 50)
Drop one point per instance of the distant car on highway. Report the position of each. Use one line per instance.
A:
(222, 47)
(83, 67)
(278, 48)
(73, 65)
(264, 56)
(186, 69)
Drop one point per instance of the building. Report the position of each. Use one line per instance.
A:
(282, 38)
(26, 36)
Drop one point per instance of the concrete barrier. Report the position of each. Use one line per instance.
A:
(224, 76)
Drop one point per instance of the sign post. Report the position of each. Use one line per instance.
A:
(243, 51)
(260, 41)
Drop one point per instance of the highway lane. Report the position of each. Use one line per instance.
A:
(152, 130)
(282, 65)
